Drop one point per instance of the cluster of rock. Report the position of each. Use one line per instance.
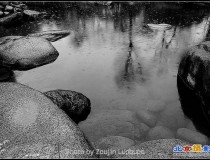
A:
(44, 125)
(12, 12)
(35, 124)
(8, 8)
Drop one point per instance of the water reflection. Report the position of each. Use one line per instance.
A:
(113, 56)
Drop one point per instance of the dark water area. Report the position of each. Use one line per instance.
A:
(114, 58)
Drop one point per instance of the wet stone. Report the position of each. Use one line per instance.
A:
(31, 122)
(191, 126)
(172, 117)
(76, 105)
(155, 105)
(143, 130)
(194, 87)
(24, 53)
(191, 136)
(160, 132)
(147, 117)
(110, 123)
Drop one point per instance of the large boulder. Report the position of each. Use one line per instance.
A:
(32, 126)
(76, 105)
(193, 82)
(23, 53)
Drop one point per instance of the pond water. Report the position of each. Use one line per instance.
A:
(114, 58)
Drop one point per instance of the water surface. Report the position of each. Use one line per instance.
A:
(114, 58)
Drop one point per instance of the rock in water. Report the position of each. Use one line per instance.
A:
(51, 36)
(193, 82)
(24, 53)
(32, 14)
(76, 105)
(32, 126)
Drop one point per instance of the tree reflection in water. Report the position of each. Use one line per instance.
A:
(133, 69)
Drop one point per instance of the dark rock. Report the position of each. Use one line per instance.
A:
(33, 127)
(51, 36)
(75, 105)
(24, 53)
(11, 19)
(193, 82)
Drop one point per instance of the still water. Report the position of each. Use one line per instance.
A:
(114, 58)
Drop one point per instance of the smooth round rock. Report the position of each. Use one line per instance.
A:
(75, 105)
(160, 132)
(32, 126)
(172, 117)
(155, 105)
(147, 117)
(110, 123)
(191, 126)
(24, 53)
(192, 136)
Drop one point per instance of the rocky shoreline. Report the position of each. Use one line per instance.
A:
(57, 123)
(14, 12)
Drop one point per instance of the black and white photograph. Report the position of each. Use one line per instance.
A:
(104, 80)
